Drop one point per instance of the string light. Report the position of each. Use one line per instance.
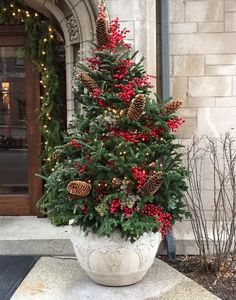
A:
(23, 15)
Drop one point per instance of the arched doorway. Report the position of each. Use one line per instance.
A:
(19, 126)
(20, 137)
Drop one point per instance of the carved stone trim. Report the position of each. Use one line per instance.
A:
(73, 30)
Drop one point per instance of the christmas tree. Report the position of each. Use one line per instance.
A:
(120, 167)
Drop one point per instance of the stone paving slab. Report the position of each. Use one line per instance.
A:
(63, 279)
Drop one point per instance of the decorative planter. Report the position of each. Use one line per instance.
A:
(112, 260)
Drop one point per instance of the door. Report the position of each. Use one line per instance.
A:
(20, 188)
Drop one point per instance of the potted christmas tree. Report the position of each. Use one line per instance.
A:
(120, 170)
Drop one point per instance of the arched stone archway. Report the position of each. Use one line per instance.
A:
(77, 21)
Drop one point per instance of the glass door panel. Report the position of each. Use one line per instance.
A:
(13, 123)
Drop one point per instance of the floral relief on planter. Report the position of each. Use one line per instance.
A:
(113, 260)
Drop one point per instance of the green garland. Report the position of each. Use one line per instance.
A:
(42, 44)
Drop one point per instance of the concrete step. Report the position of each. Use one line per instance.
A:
(63, 279)
(33, 236)
(37, 236)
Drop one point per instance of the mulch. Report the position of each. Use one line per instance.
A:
(223, 286)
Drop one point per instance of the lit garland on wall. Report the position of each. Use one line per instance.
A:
(42, 43)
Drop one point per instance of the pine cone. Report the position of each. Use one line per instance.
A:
(136, 108)
(79, 188)
(88, 82)
(173, 106)
(102, 31)
(151, 186)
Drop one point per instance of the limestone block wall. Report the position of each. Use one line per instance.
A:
(203, 75)
(140, 18)
(203, 63)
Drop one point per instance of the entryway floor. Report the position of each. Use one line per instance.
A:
(57, 274)
(61, 278)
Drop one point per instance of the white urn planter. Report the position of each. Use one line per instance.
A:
(112, 260)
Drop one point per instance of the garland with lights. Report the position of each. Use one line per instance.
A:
(43, 41)
(119, 167)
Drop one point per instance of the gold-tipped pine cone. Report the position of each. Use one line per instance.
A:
(173, 106)
(79, 188)
(88, 82)
(151, 186)
(136, 108)
(102, 31)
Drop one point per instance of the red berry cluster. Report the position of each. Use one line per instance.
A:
(85, 209)
(140, 175)
(163, 217)
(127, 211)
(102, 10)
(111, 163)
(117, 36)
(101, 190)
(175, 123)
(94, 62)
(115, 205)
(95, 93)
(101, 102)
(126, 92)
(136, 137)
(143, 81)
(75, 144)
(122, 69)
(128, 135)
(83, 168)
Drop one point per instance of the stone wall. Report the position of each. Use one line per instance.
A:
(140, 18)
(203, 63)
(203, 74)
